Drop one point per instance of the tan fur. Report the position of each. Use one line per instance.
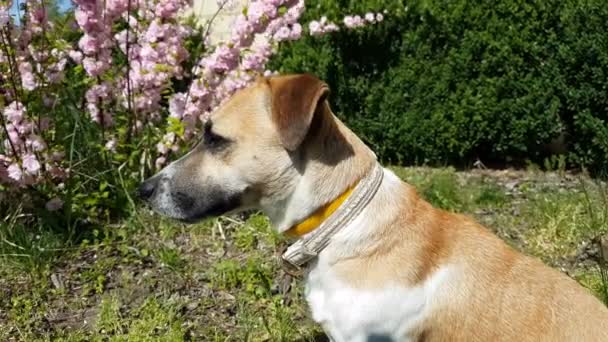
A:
(498, 284)
(294, 102)
(286, 155)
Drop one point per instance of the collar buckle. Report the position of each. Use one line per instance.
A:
(292, 269)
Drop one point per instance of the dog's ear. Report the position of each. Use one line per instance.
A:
(295, 99)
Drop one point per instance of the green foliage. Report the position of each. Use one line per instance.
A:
(444, 189)
(150, 322)
(451, 81)
(96, 190)
(254, 277)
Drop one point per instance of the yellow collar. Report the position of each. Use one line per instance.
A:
(320, 215)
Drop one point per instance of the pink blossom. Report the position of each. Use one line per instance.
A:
(331, 27)
(36, 143)
(167, 8)
(156, 31)
(98, 92)
(85, 18)
(315, 28)
(353, 21)
(14, 112)
(260, 10)
(268, 73)
(88, 44)
(116, 7)
(294, 12)
(14, 172)
(296, 32)
(76, 56)
(162, 148)
(157, 55)
(242, 31)
(149, 53)
(282, 34)
(25, 127)
(177, 105)
(94, 112)
(4, 16)
(54, 204)
(93, 67)
(13, 136)
(160, 161)
(31, 164)
(223, 59)
(111, 145)
(28, 79)
(321, 27)
(38, 64)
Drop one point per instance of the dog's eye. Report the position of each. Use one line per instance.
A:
(212, 140)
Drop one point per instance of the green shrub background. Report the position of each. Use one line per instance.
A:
(453, 81)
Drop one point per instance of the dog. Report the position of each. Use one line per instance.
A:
(380, 263)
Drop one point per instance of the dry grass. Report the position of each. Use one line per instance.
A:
(149, 279)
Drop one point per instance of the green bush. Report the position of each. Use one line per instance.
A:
(452, 81)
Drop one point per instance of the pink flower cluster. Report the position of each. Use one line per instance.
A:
(357, 21)
(36, 64)
(156, 54)
(153, 42)
(4, 16)
(95, 19)
(26, 157)
(322, 27)
(234, 64)
(152, 35)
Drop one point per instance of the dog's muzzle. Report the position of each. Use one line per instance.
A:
(147, 189)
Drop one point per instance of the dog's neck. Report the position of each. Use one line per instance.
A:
(330, 161)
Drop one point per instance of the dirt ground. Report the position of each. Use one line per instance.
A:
(147, 279)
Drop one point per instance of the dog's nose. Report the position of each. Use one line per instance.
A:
(146, 189)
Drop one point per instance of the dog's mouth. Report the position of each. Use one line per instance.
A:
(194, 206)
(211, 208)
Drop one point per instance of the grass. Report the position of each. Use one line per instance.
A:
(150, 279)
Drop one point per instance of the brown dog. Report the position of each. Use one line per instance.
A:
(381, 263)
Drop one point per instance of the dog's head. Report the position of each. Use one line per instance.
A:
(245, 155)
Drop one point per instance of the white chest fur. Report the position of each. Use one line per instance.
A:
(383, 314)
(388, 313)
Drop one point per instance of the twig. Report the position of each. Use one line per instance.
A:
(220, 229)
(12, 244)
(2, 122)
(233, 220)
(129, 108)
(15, 255)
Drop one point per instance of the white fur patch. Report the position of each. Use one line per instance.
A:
(389, 313)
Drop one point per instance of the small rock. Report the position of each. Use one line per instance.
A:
(512, 185)
(56, 280)
(192, 306)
